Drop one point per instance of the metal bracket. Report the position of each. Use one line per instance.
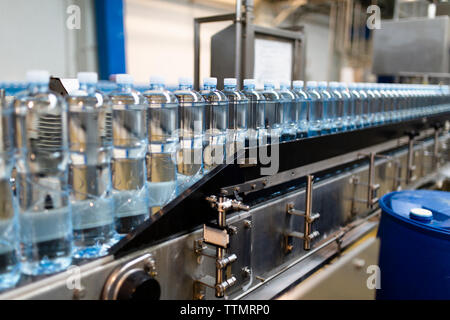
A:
(410, 177)
(220, 239)
(372, 187)
(309, 218)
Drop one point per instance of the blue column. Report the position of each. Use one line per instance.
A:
(110, 37)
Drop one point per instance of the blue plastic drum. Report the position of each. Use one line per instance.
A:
(415, 245)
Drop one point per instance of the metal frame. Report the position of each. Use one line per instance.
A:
(178, 266)
(244, 45)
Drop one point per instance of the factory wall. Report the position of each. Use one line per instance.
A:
(40, 38)
(160, 38)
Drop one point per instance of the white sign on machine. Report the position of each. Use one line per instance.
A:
(273, 61)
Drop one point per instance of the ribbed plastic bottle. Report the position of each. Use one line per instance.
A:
(290, 101)
(90, 143)
(375, 104)
(365, 105)
(216, 125)
(302, 108)
(339, 106)
(329, 108)
(45, 216)
(274, 112)
(192, 128)
(9, 237)
(129, 151)
(357, 105)
(349, 107)
(257, 133)
(315, 109)
(388, 101)
(238, 105)
(163, 138)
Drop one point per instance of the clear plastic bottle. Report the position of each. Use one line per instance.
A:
(315, 109)
(257, 133)
(365, 105)
(357, 105)
(238, 105)
(216, 125)
(90, 142)
(349, 107)
(274, 112)
(401, 102)
(302, 108)
(192, 127)
(395, 113)
(328, 105)
(388, 101)
(339, 106)
(375, 104)
(45, 217)
(290, 101)
(129, 152)
(162, 126)
(9, 237)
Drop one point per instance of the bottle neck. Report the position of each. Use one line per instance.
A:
(209, 87)
(268, 87)
(38, 87)
(156, 86)
(125, 87)
(185, 87)
(249, 87)
(230, 87)
(88, 87)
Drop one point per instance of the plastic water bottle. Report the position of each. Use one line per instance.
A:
(192, 127)
(238, 105)
(388, 101)
(329, 108)
(357, 105)
(9, 237)
(42, 172)
(349, 107)
(90, 142)
(365, 105)
(339, 106)
(374, 101)
(129, 151)
(290, 101)
(257, 133)
(401, 102)
(274, 112)
(302, 109)
(315, 109)
(162, 126)
(216, 124)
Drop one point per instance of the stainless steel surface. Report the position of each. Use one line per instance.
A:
(223, 50)
(214, 237)
(345, 278)
(308, 219)
(281, 177)
(232, 49)
(262, 267)
(411, 45)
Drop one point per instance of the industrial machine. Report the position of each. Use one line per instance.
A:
(239, 234)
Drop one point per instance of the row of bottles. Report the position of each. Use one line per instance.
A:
(90, 167)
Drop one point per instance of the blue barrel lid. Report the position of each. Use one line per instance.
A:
(427, 210)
